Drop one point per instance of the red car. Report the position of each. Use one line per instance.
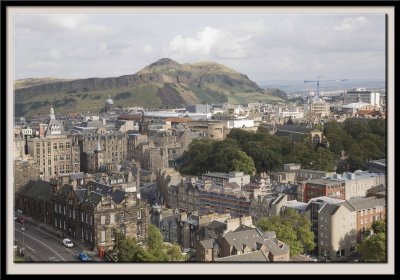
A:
(20, 220)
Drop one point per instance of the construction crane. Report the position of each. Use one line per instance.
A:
(318, 80)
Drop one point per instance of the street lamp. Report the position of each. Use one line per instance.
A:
(23, 236)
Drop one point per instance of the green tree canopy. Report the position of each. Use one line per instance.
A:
(292, 229)
(373, 249)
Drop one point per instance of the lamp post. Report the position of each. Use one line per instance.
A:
(23, 235)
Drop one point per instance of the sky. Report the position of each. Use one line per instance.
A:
(264, 47)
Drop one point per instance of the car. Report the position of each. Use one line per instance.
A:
(68, 243)
(83, 257)
(21, 220)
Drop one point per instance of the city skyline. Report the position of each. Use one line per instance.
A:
(262, 46)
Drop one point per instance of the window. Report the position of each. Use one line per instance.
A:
(55, 207)
(54, 146)
(73, 214)
(61, 146)
(112, 218)
(81, 217)
(55, 222)
(55, 158)
(65, 227)
(68, 157)
(61, 157)
(59, 208)
(322, 242)
(322, 234)
(91, 220)
(86, 218)
(122, 217)
(64, 209)
(139, 230)
(68, 145)
(112, 234)
(103, 220)
(49, 170)
(55, 169)
(361, 221)
(362, 213)
(139, 214)
(49, 161)
(112, 205)
(68, 168)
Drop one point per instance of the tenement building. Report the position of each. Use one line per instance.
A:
(91, 214)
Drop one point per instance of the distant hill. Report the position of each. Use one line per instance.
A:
(164, 83)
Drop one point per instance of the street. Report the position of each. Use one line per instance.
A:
(42, 246)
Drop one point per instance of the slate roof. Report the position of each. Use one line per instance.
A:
(208, 243)
(94, 198)
(26, 188)
(80, 194)
(40, 189)
(65, 189)
(257, 256)
(248, 238)
(118, 196)
(362, 203)
(330, 209)
(295, 133)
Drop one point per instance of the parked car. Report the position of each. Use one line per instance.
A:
(83, 257)
(19, 219)
(67, 242)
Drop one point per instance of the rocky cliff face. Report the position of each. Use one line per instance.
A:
(164, 82)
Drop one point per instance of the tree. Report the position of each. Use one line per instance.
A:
(128, 250)
(379, 226)
(291, 228)
(373, 249)
(125, 248)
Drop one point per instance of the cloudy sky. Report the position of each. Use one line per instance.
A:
(264, 47)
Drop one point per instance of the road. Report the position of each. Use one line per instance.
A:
(42, 246)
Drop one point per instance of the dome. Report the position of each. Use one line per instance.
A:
(109, 101)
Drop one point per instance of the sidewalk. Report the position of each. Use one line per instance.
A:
(94, 255)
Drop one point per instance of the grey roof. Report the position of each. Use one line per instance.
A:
(65, 189)
(101, 188)
(257, 256)
(207, 244)
(362, 203)
(26, 188)
(40, 189)
(284, 188)
(249, 238)
(94, 198)
(118, 196)
(80, 194)
(294, 128)
(330, 209)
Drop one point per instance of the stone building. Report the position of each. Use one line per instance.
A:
(368, 210)
(90, 214)
(25, 170)
(237, 245)
(54, 150)
(113, 147)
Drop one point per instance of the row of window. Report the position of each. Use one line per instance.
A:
(56, 146)
(121, 216)
(371, 211)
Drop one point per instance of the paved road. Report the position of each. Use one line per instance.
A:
(43, 246)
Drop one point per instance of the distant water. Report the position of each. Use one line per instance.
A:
(296, 86)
